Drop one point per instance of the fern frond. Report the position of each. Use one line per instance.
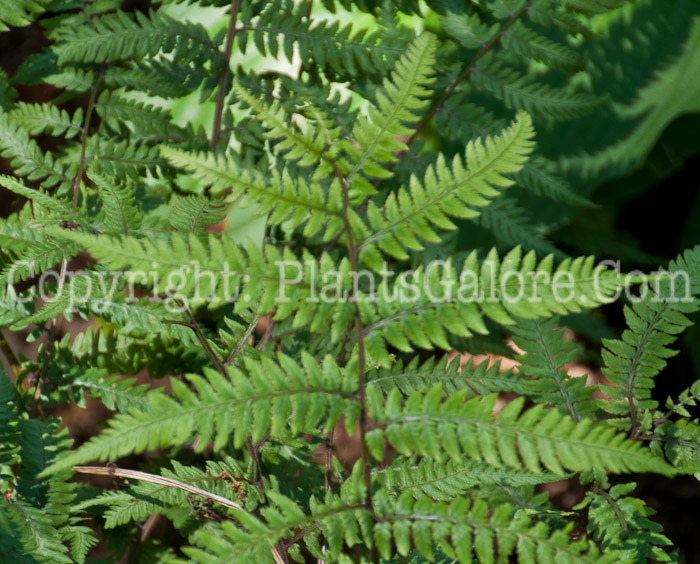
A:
(9, 432)
(19, 13)
(510, 224)
(430, 425)
(456, 191)
(464, 121)
(221, 273)
(194, 213)
(480, 379)
(421, 309)
(538, 176)
(376, 138)
(164, 78)
(517, 91)
(269, 397)
(681, 445)
(528, 43)
(654, 323)
(35, 515)
(460, 530)
(120, 36)
(444, 481)
(593, 6)
(621, 523)
(47, 118)
(25, 156)
(122, 159)
(114, 392)
(118, 203)
(309, 145)
(546, 354)
(280, 196)
(143, 499)
(339, 51)
(62, 209)
(31, 251)
(147, 121)
(32, 532)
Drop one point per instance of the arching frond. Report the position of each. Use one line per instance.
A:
(457, 191)
(268, 397)
(120, 36)
(430, 425)
(546, 354)
(654, 322)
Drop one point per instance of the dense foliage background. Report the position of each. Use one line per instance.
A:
(111, 114)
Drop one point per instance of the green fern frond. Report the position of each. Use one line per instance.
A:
(73, 79)
(194, 213)
(147, 121)
(681, 445)
(464, 121)
(9, 432)
(545, 355)
(510, 223)
(35, 515)
(63, 303)
(25, 156)
(444, 481)
(31, 252)
(164, 78)
(621, 523)
(654, 323)
(518, 92)
(62, 209)
(376, 138)
(593, 6)
(142, 499)
(285, 199)
(122, 159)
(47, 118)
(456, 191)
(421, 309)
(120, 36)
(528, 43)
(430, 425)
(309, 145)
(461, 530)
(33, 534)
(340, 51)
(480, 379)
(224, 272)
(269, 397)
(19, 13)
(118, 203)
(539, 177)
(114, 392)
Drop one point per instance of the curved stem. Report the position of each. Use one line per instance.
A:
(485, 48)
(221, 93)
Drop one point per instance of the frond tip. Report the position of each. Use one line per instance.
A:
(458, 190)
(430, 425)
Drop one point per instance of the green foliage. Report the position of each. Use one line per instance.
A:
(369, 192)
(654, 323)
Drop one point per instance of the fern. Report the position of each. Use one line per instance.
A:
(455, 192)
(222, 408)
(20, 12)
(654, 323)
(427, 425)
(544, 359)
(376, 136)
(120, 36)
(277, 233)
